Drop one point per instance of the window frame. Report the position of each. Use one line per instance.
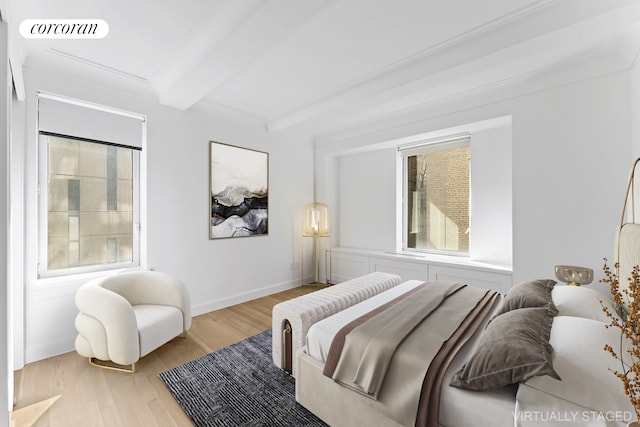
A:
(421, 147)
(43, 201)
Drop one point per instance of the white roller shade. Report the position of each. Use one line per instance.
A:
(420, 147)
(72, 118)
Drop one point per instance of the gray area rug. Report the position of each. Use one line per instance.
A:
(238, 386)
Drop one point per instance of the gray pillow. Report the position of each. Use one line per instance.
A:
(515, 347)
(534, 293)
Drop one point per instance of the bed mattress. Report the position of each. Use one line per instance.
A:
(458, 407)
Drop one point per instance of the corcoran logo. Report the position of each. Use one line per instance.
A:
(64, 29)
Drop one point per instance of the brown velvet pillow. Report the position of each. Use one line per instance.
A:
(515, 347)
(534, 293)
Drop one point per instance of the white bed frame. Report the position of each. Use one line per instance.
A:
(332, 403)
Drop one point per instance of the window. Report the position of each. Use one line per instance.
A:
(89, 190)
(437, 202)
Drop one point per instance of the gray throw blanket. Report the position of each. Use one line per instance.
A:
(385, 354)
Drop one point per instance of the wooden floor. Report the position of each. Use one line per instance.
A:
(65, 391)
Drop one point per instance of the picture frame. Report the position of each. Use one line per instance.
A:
(238, 191)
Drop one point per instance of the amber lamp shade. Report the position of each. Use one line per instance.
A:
(315, 220)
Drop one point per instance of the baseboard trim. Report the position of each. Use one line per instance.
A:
(40, 352)
(242, 297)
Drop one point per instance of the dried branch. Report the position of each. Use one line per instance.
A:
(629, 325)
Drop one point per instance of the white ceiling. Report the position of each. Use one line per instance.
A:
(327, 62)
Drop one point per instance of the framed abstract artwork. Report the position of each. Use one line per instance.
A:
(238, 191)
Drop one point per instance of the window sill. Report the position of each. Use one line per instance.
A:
(56, 286)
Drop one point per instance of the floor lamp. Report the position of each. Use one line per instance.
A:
(315, 223)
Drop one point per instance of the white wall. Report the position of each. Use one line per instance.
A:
(571, 149)
(6, 378)
(369, 194)
(16, 230)
(217, 273)
(491, 237)
(367, 207)
(571, 155)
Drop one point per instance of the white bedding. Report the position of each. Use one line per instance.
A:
(458, 407)
(588, 393)
(577, 337)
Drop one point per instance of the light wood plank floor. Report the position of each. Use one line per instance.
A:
(72, 393)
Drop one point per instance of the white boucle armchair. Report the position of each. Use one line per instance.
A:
(126, 316)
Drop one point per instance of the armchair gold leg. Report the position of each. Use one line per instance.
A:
(103, 365)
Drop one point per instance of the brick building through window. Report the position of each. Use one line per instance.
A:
(437, 198)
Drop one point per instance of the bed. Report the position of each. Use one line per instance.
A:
(567, 361)
(532, 357)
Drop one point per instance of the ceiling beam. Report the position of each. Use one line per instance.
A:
(419, 79)
(224, 43)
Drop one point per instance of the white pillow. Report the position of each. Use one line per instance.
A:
(580, 360)
(579, 301)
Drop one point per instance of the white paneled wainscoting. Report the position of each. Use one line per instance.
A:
(347, 263)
